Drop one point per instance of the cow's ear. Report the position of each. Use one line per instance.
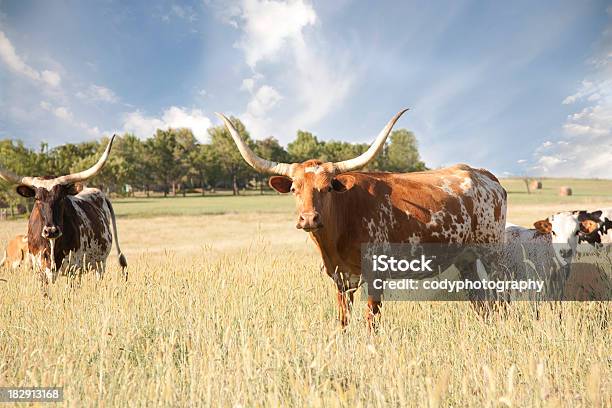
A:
(596, 215)
(543, 226)
(282, 184)
(583, 215)
(343, 182)
(25, 191)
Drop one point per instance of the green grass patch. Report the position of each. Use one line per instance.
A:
(583, 191)
(198, 205)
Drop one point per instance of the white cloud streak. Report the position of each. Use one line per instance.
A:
(145, 126)
(98, 93)
(63, 113)
(16, 64)
(586, 148)
(284, 36)
(269, 26)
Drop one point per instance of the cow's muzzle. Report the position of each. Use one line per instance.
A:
(309, 222)
(51, 232)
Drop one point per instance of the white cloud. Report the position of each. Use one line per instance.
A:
(263, 100)
(66, 115)
(256, 115)
(51, 77)
(63, 113)
(586, 148)
(98, 93)
(174, 117)
(247, 84)
(18, 65)
(271, 25)
(180, 11)
(309, 81)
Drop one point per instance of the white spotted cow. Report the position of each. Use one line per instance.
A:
(69, 227)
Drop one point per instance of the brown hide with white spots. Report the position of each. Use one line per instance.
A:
(458, 204)
(342, 209)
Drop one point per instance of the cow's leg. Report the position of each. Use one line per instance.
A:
(345, 293)
(345, 304)
(373, 313)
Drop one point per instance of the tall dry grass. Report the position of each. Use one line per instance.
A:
(233, 311)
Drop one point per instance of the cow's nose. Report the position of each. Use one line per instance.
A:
(309, 221)
(51, 232)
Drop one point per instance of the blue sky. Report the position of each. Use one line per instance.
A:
(515, 87)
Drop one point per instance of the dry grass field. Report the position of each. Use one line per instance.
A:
(232, 310)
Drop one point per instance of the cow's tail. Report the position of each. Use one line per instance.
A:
(122, 260)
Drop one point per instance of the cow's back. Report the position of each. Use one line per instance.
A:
(458, 204)
(90, 222)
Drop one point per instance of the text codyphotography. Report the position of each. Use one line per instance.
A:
(417, 272)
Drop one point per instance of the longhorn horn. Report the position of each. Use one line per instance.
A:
(13, 178)
(259, 164)
(369, 155)
(90, 172)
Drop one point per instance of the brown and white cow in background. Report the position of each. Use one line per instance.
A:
(16, 252)
(342, 209)
(570, 228)
(579, 233)
(69, 228)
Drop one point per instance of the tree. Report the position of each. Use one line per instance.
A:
(131, 161)
(401, 154)
(15, 157)
(306, 146)
(229, 158)
(335, 151)
(184, 156)
(206, 165)
(86, 155)
(269, 149)
(62, 159)
(160, 154)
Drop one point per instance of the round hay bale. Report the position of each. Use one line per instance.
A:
(535, 185)
(565, 191)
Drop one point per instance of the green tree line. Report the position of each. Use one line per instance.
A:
(173, 161)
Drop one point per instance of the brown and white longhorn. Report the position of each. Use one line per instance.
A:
(69, 227)
(342, 209)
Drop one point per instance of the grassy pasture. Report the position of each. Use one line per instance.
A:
(229, 308)
(524, 208)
